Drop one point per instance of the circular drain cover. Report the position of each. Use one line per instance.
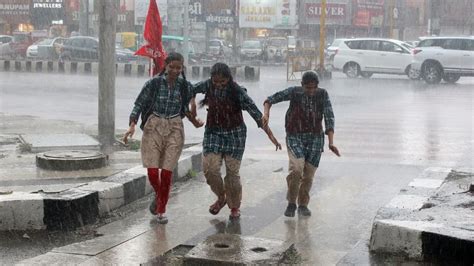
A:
(71, 160)
(72, 154)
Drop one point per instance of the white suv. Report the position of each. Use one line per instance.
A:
(366, 56)
(446, 58)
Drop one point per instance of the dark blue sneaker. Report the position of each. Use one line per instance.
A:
(304, 211)
(290, 210)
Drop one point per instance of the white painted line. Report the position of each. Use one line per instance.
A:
(426, 183)
(438, 169)
(410, 202)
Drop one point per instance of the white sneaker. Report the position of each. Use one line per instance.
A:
(161, 218)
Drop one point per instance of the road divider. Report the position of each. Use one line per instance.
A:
(240, 72)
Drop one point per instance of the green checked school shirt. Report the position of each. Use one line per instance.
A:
(307, 145)
(167, 102)
(227, 141)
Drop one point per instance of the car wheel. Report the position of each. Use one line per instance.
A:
(432, 73)
(352, 70)
(413, 74)
(366, 74)
(451, 78)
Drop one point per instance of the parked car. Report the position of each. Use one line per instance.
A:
(5, 39)
(124, 55)
(80, 48)
(251, 50)
(446, 58)
(20, 43)
(219, 47)
(276, 49)
(366, 56)
(5, 49)
(49, 49)
(332, 49)
(173, 43)
(84, 48)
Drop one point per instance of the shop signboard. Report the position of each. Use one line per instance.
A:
(45, 12)
(286, 14)
(257, 13)
(15, 11)
(368, 13)
(336, 13)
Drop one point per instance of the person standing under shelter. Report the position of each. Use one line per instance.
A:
(309, 104)
(162, 103)
(225, 135)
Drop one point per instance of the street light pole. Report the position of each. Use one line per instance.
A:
(323, 73)
(322, 34)
(107, 29)
(186, 32)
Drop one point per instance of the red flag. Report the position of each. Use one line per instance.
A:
(153, 47)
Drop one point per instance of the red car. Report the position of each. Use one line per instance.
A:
(20, 42)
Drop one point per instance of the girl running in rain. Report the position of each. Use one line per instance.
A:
(225, 135)
(304, 136)
(162, 103)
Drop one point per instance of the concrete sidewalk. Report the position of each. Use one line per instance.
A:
(34, 198)
(433, 213)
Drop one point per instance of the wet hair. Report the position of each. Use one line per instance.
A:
(173, 56)
(223, 70)
(310, 76)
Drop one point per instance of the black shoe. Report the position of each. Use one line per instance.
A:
(304, 211)
(290, 210)
(153, 206)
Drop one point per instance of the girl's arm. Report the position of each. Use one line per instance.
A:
(272, 137)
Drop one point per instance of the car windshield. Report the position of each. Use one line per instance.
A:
(214, 43)
(252, 45)
(19, 38)
(336, 42)
(44, 42)
(277, 42)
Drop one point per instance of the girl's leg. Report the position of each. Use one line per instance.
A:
(306, 183)
(212, 163)
(165, 188)
(293, 180)
(296, 167)
(154, 178)
(233, 186)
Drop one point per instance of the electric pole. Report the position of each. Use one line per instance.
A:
(107, 30)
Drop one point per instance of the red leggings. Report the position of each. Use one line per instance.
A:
(162, 186)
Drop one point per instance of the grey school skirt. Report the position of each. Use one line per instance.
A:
(162, 142)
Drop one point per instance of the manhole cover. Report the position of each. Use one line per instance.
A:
(71, 160)
(72, 154)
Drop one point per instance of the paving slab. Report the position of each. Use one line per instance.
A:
(48, 142)
(231, 249)
(438, 225)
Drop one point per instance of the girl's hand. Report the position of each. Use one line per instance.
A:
(129, 133)
(334, 150)
(276, 143)
(272, 138)
(197, 122)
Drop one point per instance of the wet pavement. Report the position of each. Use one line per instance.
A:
(389, 129)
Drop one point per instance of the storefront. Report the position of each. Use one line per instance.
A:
(264, 18)
(15, 16)
(368, 17)
(338, 19)
(46, 13)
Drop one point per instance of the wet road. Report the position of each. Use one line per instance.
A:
(385, 117)
(388, 130)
